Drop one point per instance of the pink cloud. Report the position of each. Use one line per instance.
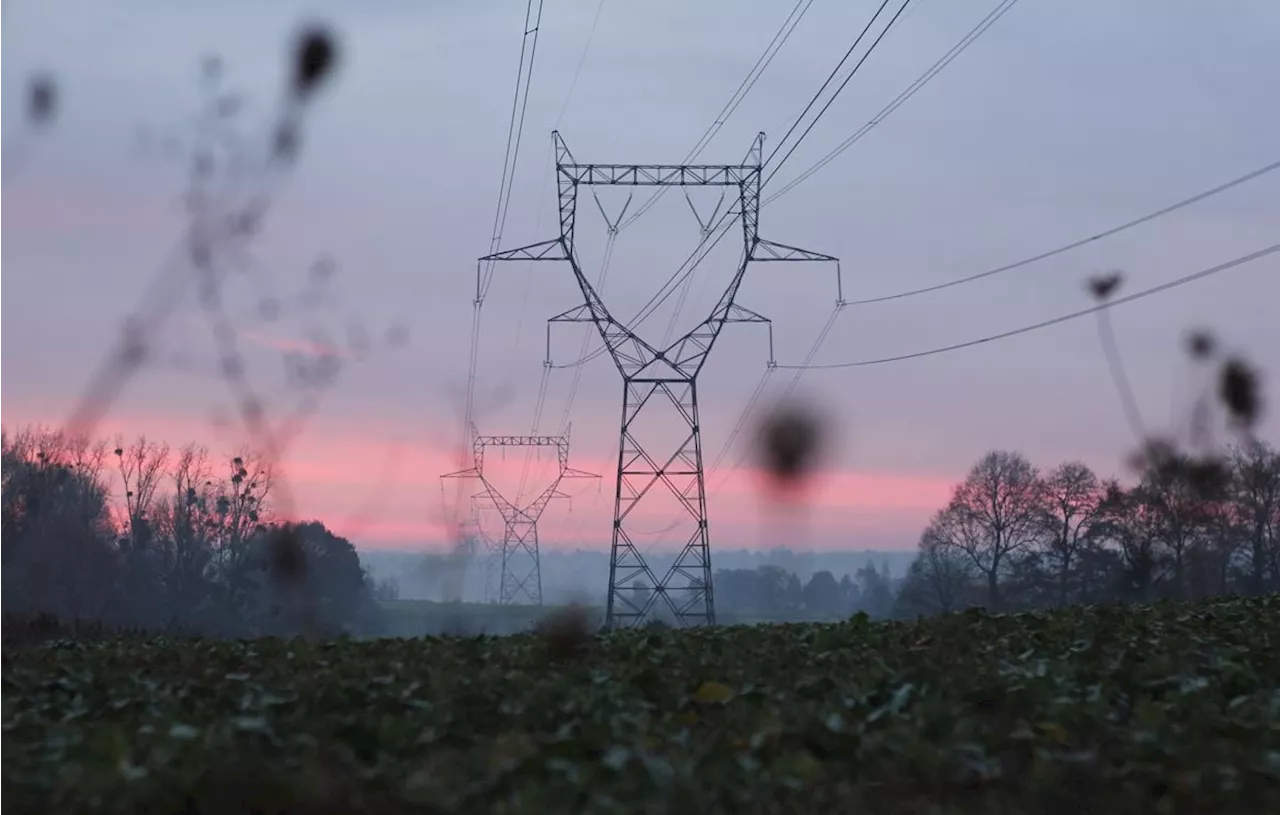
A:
(294, 344)
(379, 486)
(855, 489)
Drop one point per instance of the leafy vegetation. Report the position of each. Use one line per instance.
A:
(1167, 707)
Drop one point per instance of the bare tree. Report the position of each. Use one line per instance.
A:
(1072, 502)
(1182, 505)
(142, 465)
(57, 528)
(241, 505)
(1255, 494)
(941, 577)
(996, 512)
(185, 523)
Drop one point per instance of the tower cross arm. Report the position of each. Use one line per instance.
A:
(470, 472)
(552, 249)
(521, 441)
(765, 250)
(660, 175)
(741, 314)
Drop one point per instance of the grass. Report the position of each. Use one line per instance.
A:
(1168, 708)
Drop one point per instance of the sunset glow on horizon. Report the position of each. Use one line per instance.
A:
(382, 490)
(367, 255)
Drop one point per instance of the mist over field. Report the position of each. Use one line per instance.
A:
(581, 575)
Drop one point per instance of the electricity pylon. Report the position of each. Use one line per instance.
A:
(660, 377)
(474, 529)
(521, 570)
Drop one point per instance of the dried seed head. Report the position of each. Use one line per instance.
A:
(323, 270)
(211, 67)
(1200, 344)
(789, 440)
(1207, 477)
(314, 56)
(357, 338)
(42, 99)
(269, 309)
(1238, 388)
(229, 105)
(566, 632)
(202, 165)
(1156, 454)
(1104, 285)
(286, 559)
(286, 141)
(398, 336)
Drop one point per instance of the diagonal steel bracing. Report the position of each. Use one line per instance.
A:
(517, 557)
(661, 379)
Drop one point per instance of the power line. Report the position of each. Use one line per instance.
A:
(542, 390)
(834, 71)
(537, 422)
(806, 366)
(1181, 281)
(748, 82)
(1201, 196)
(694, 260)
(646, 311)
(755, 397)
(510, 156)
(766, 58)
(582, 60)
(515, 133)
(902, 97)
(586, 334)
(936, 68)
(685, 269)
(871, 48)
(1076, 244)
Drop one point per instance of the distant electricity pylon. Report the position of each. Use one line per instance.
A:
(656, 378)
(472, 533)
(521, 570)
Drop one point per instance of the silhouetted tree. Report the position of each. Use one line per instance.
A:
(1255, 494)
(822, 594)
(876, 592)
(1072, 504)
(941, 577)
(997, 512)
(194, 556)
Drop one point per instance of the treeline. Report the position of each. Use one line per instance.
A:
(190, 543)
(770, 592)
(1015, 538)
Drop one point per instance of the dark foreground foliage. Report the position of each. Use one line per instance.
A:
(1171, 708)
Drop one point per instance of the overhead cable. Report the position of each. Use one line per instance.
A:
(1119, 301)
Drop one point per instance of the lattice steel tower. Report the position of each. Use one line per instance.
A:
(521, 568)
(656, 378)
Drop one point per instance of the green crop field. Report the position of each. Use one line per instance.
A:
(1168, 708)
(417, 618)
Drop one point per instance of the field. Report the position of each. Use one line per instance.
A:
(418, 618)
(1168, 708)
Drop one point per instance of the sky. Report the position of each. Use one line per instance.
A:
(1062, 121)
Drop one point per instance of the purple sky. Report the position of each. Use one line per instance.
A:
(1059, 123)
